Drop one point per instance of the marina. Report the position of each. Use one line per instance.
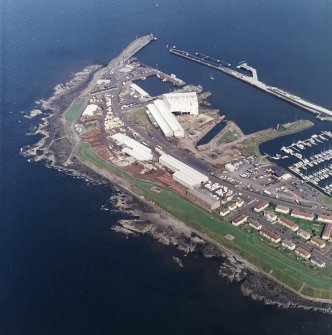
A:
(315, 168)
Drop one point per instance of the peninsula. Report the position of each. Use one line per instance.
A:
(174, 153)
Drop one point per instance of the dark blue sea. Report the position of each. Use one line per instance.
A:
(63, 270)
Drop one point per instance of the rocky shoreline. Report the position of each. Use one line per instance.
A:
(170, 231)
(144, 217)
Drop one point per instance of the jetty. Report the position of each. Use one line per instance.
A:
(322, 113)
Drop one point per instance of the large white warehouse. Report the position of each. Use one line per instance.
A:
(167, 122)
(183, 173)
(185, 179)
(184, 103)
(133, 148)
(165, 128)
(170, 119)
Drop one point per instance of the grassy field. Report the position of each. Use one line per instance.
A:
(139, 119)
(252, 144)
(311, 282)
(327, 199)
(85, 152)
(72, 112)
(228, 136)
(251, 246)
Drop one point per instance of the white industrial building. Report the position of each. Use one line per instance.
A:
(183, 173)
(90, 110)
(185, 180)
(163, 125)
(133, 148)
(167, 122)
(184, 103)
(170, 119)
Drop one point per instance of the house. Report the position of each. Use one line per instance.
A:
(239, 202)
(261, 206)
(326, 235)
(288, 223)
(288, 244)
(318, 262)
(255, 224)
(324, 218)
(302, 253)
(317, 242)
(270, 216)
(239, 220)
(224, 211)
(232, 206)
(270, 235)
(303, 234)
(302, 215)
(282, 209)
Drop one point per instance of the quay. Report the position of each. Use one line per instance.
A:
(132, 49)
(322, 113)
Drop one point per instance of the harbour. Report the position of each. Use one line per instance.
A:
(321, 113)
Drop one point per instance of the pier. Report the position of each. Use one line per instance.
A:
(321, 112)
(132, 49)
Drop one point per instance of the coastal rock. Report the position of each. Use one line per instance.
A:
(178, 261)
(33, 113)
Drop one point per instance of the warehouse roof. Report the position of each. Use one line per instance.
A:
(183, 102)
(170, 119)
(90, 110)
(175, 165)
(186, 179)
(136, 149)
(165, 128)
(203, 195)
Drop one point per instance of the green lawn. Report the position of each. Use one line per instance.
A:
(85, 152)
(72, 112)
(228, 136)
(312, 282)
(327, 199)
(306, 225)
(139, 119)
(89, 126)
